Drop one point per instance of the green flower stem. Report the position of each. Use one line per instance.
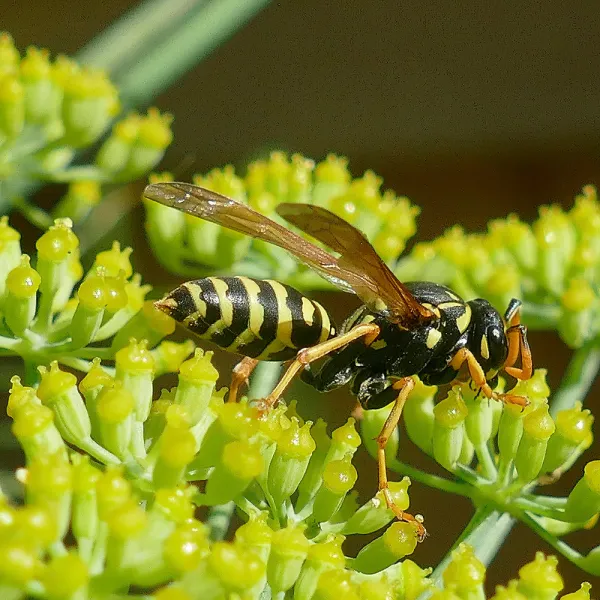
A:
(485, 532)
(538, 509)
(76, 363)
(218, 520)
(31, 375)
(486, 462)
(569, 553)
(153, 45)
(482, 521)
(43, 320)
(434, 481)
(548, 501)
(578, 379)
(264, 379)
(89, 353)
(36, 216)
(469, 475)
(96, 564)
(98, 452)
(486, 545)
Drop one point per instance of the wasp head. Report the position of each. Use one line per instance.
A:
(487, 338)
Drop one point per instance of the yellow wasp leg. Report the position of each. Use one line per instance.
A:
(368, 331)
(404, 387)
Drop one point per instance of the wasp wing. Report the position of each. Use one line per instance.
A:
(203, 203)
(363, 268)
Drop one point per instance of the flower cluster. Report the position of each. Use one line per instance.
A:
(113, 483)
(552, 265)
(52, 310)
(133, 518)
(180, 241)
(50, 110)
(498, 452)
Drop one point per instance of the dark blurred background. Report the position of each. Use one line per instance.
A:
(473, 110)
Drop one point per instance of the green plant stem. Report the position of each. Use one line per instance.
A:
(486, 462)
(32, 375)
(434, 481)
(548, 501)
(156, 43)
(591, 566)
(485, 532)
(36, 216)
(578, 379)
(263, 379)
(76, 363)
(539, 509)
(218, 520)
(469, 475)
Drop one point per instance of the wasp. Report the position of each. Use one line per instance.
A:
(402, 329)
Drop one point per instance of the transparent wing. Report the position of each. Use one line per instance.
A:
(363, 268)
(224, 211)
(358, 270)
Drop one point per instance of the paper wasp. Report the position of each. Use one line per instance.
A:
(402, 330)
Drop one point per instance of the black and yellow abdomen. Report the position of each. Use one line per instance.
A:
(262, 319)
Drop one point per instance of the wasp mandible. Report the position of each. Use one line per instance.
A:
(402, 330)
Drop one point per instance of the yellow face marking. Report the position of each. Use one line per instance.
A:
(325, 323)
(379, 344)
(308, 311)
(257, 311)
(463, 321)
(485, 349)
(433, 337)
(452, 295)
(285, 322)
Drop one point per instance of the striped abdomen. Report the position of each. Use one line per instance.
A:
(261, 319)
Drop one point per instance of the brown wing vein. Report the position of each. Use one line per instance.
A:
(359, 269)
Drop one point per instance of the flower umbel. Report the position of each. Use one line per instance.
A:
(53, 311)
(50, 110)
(132, 508)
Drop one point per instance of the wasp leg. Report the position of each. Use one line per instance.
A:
(404, 387)
(464, 355)
(518, 345)
(240, 375)
(368, 331)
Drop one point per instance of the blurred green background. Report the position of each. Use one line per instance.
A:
(473, 110)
